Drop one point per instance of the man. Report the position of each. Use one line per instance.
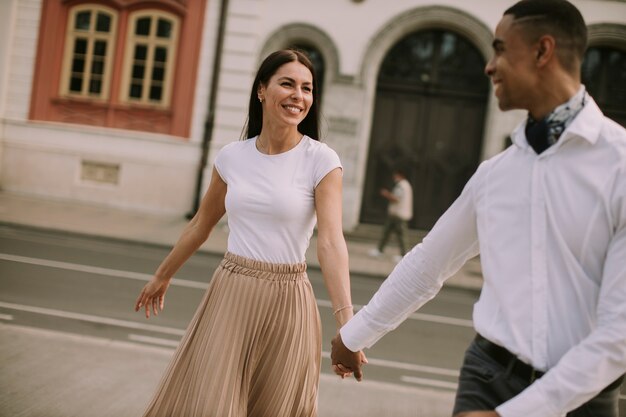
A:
(399, 212)
(548, 216)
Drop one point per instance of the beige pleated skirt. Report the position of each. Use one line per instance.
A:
(253, 348)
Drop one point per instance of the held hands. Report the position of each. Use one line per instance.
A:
(152, 296)
(344, 361)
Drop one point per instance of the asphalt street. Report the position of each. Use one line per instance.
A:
(88, 286)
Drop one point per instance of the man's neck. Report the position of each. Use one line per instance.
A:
(551, 95)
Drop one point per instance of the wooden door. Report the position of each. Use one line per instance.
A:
(428, 119)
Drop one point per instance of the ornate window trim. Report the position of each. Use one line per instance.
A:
(91, 37)
(423, 18)
(152, 43)
(607, 34)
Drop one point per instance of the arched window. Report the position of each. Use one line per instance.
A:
(604, 75)
(435, 59)
(89, 46)
(151, 49)
(317, 59)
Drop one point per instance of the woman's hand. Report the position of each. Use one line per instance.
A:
(211, 209)
(152, 296)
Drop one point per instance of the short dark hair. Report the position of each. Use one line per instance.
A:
(558, 18)
(401, 170)
(310, 125)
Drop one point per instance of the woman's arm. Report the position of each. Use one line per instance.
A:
(331, 245)
(197, 231)
(333, 257)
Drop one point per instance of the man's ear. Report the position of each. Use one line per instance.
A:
(545, 50)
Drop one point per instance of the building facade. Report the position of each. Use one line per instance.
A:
(402, 86)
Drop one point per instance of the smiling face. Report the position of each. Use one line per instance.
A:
(288, 95)
(512, 68)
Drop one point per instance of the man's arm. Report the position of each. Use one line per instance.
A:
(420, 275)
(393, 196)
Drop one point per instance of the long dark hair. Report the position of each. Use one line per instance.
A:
(310, 125)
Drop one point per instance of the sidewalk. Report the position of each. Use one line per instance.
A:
(164, 230)
(53, 374)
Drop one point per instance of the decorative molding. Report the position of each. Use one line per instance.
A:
(121, 116)
(424, 18)
(308, 34)
(344, 125)
(73, 112)
(175, 6)
(99, 172)
(607, 34)
(143, 120)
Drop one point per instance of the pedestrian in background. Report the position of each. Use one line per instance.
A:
(548, 216)
(399, 212)
(253, 347)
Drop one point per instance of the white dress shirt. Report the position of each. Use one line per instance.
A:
(551, 231)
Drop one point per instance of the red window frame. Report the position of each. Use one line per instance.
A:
(48, 104)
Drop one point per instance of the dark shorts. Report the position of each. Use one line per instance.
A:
(484, 384)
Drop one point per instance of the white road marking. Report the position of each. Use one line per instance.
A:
(406, 366)
(417, 316)
(73, 240)
(194, 284)
(442, 319)
(153, 340)
(6, 317)
(180, 332)
(94, 319)
(97, 270)
(429, 382)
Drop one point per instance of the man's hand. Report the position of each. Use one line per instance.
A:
(344, 360)
(478, 414)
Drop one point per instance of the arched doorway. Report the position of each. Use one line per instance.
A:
(429, 117)
(604, 75)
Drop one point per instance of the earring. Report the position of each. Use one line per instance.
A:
(260, 99)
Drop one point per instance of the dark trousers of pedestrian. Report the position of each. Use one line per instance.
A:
(397, 226)
(491, 375)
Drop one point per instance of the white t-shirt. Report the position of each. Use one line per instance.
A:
(270, 198)
(403, 208)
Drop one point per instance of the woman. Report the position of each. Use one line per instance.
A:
(254, 345)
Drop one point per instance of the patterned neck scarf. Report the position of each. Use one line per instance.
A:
(546, 132)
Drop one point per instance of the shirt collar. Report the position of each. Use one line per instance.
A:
(585, 125)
